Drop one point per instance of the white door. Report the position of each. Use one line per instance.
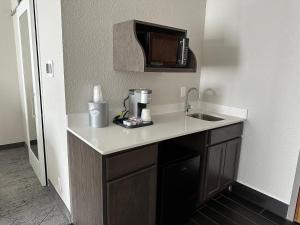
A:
(30, 85)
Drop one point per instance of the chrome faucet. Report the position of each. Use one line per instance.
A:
(188, 106)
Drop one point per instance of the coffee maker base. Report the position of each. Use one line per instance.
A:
(120, 122)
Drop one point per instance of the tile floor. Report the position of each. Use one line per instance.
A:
(229, 209)
(22, 199)
(24, 202)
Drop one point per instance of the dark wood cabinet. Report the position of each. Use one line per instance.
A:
(230, 160)
(214, 169)
(120, 165)
(115, 189)
(85, 169)
(224, 134)
(121, 188)
(221, 166)
(131, 199)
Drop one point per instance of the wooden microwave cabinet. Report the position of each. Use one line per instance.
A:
(130, 52)
(121, 188)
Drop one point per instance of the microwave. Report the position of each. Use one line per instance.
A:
(166, 50)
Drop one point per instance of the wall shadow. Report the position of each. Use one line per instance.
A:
(220, 53)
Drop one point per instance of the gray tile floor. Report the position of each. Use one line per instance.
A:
(23, 201)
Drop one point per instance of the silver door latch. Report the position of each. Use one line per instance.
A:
(50, 68)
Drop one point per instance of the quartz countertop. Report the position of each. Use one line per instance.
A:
(114, 138)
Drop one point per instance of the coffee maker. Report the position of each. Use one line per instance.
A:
(138, 100)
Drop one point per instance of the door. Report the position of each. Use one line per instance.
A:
(214, 170)
(231, 155)
(30, 86)
(297, 211)
(131, 199)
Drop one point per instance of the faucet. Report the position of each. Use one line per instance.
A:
(188, 106)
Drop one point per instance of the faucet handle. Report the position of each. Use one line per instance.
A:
(188, 107)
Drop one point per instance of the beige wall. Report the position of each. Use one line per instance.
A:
(88, 60)
(252, 60)
(88, 53)
(11, 124)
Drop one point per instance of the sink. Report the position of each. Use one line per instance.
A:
(206, 117)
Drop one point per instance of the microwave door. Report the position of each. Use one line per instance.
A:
(163, 50)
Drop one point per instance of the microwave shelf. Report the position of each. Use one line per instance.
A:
(146, 47)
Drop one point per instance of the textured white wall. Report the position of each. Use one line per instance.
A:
(11, 124)
(88, 48)
(252, 60)
(53, 96)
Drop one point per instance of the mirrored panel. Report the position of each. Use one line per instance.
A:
(28, 80)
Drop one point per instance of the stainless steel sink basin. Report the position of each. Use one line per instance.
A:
(202, 116)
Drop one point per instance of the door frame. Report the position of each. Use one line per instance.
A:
(295, 192)
(38, 165)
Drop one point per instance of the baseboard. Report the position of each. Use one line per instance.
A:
(13, 145)
(273, 205)
(61, 205)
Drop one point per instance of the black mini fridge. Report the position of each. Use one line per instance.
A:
(178, 188)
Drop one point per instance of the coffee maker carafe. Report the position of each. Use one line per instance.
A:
(138, 100)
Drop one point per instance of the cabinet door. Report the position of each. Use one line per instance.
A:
(214, 169)
(231, 156)
(132, 199)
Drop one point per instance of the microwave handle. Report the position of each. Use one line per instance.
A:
(184, 45)
(183, 50)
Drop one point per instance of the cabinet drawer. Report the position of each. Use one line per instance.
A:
(128, 162)
(225, 133)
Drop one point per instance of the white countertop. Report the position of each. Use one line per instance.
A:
(114, 138)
